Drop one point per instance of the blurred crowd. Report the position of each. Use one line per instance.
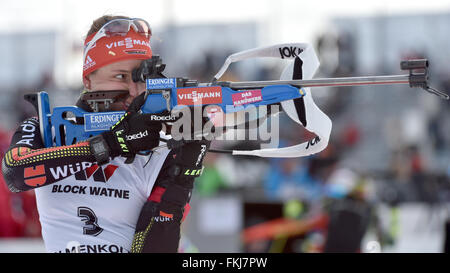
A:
(399, 153)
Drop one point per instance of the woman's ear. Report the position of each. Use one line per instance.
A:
(87, 83)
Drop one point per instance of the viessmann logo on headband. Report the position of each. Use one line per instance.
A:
(112, 49)
(127, 42)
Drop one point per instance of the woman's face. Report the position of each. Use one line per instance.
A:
(116, 76)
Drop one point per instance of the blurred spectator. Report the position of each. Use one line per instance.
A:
(18, 212)
(211, 181)
(304, 179)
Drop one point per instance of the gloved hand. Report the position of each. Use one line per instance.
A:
(158, 226)
(187, 156)
(133, 133)
(177, 176)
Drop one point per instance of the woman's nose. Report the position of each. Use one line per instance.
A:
(133, 89)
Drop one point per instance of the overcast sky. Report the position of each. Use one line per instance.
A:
(282, 17)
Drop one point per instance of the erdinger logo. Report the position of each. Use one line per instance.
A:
(137, 136)
(164, 83)
(101, 121)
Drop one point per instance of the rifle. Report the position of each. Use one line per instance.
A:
(165, 96)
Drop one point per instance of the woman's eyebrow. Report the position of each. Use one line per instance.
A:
(121, 71)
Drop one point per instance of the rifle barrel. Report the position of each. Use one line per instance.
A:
(344, 81)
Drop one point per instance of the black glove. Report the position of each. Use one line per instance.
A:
(188, 155)
(133, 133)
(177, 176)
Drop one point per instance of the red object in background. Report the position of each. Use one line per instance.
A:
(9, 227)
(416, 163)
(351, 135)
(307, 135)
(18, 211)
(283, 226)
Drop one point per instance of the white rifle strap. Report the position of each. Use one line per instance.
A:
(303, 110)
(280, 51)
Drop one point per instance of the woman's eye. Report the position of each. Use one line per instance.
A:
(120, 76)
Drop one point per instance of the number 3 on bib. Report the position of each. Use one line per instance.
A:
(91, 226)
